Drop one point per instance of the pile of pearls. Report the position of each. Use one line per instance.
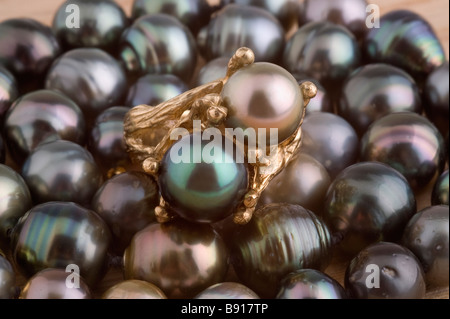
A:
(374, 139)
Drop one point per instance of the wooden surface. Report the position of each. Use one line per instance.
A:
(435, 11)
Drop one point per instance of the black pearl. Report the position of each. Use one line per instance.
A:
(326, 51)
(440, 193)
(227, 290)
(213, 70)
(310, 284)
(426, 235)
(406, 40)
(376, 90)
(90, 77)
(100, 24)
(284, 10)
(436, 98)
(385, 271)
(126, 203)
(158, 44)
(366, 203)
(238, 26)
(7, 279)
(153, 89)
(331, 140)
(27, 49)
(106, 142)
(61, 171)
(349, 13)
(59, 234)
(303, 182)
(40, 117)
(179, 257)
(193, 13)
(200, 186)
(408, 142)
(8, 91)
(51, 283)
(274, 243)
(134, 289)
(322, 102)
(15, 201)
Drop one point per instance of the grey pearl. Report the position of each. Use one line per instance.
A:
(126, 203)
(331, 140)
(426, 235)
(158, 44)
(436, 97)
(440, 193)
(349, 13)
(90, 77)
(61, 171)
(238, 26)
(106, 142)
(51, 284)
(310, 284)
(7, 279)
(408, 142)
(8, 91)
(376, 90)
(40, 117)
(153, 89)
(322, 102)
(303, 182)
(213, 70)
(100, 24)
(227, 290)
(15, 201)
(326, 51)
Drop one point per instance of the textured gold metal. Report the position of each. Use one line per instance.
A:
(147, 134)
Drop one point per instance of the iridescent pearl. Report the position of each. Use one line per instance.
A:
(199, 186)
(426, 235)
(326, 51)
(303, 182)
(134, 289)
(284, 10)
(51, 284)
(376, 90)
(366, 203)
(100, 24)
(61, 171)
(331, 140)
(227, 290)
(58, 234)
(158, 44)
(153, 89)
(237, 26)
(264, 96)
(407, 41)
(392, 268)
(279, 239)
(8, 91)
(27, 49)
(181, 258)
(15, 201)
(126, 202)
(407, 142)
(436, 100)
(322, 102)
(310, 284)
(90, 77)
(106, 142)
(7, 279)
(213, 70)
(349, 13)
(440, 193)
(193, 13)
(40, 117)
